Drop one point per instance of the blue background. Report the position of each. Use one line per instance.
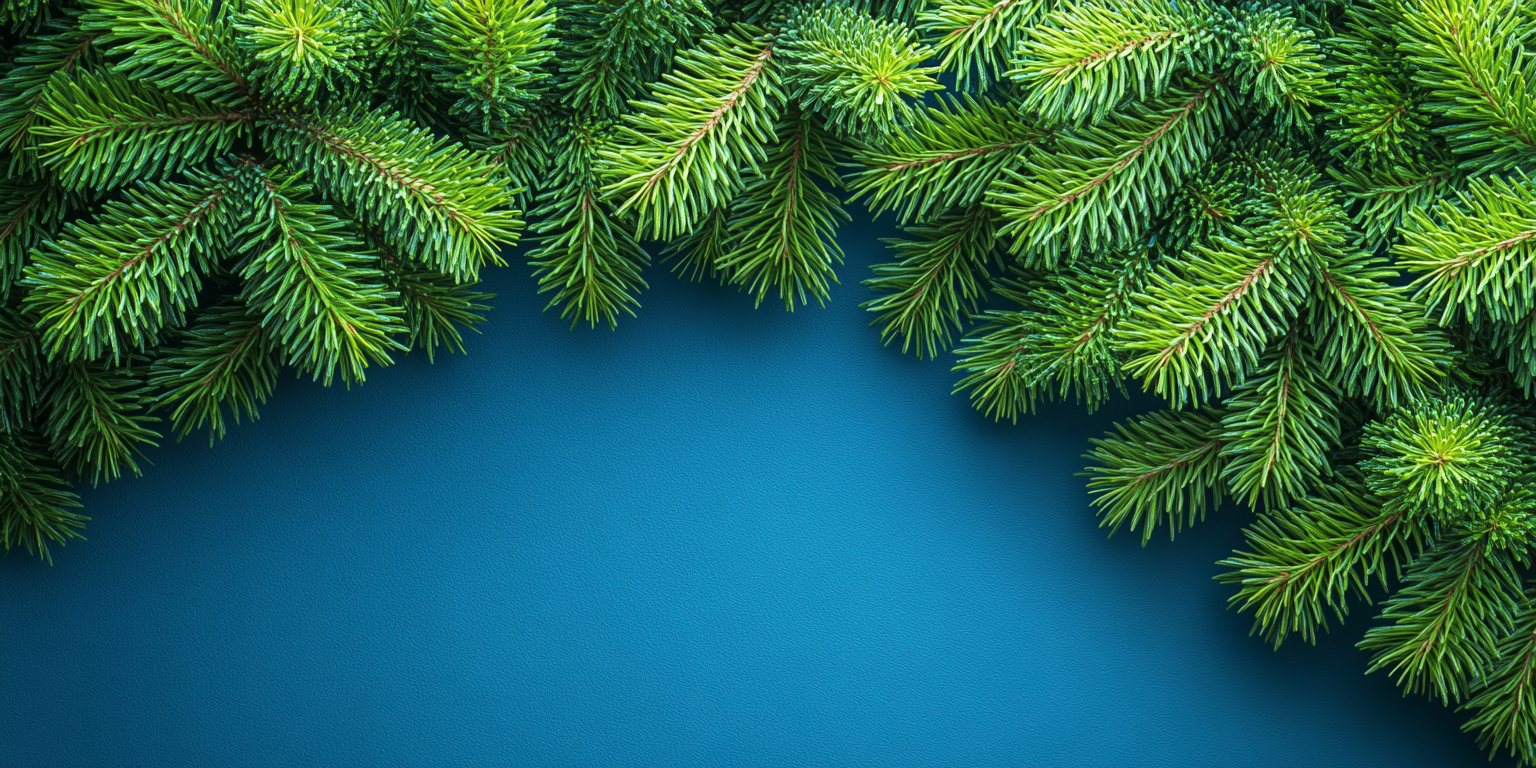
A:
(718, 536)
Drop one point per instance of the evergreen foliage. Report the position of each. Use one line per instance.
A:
(1305, 225)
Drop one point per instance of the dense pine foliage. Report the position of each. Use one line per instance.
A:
(1303, 224)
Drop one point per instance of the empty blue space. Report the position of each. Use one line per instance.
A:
(718, 537)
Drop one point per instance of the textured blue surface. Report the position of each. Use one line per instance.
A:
(718, 536)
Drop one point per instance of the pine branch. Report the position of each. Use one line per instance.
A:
(783, 225)
(427, 195)
(1157, 469)
(1086, 58)
(224, 359)
(107, 287)
(1505, 704)
(1304, 562)
(1094, 190)
(857, 72)
(35, 502)
(1469, 57)
(1382, 196)
(586, 256)
(1451, 458)
(1279, 426)
(944, 161)
(433, 305)
(974, 38)
(487, 54)
(98, 418)
(23, 370)
(106, 131)
(63, 50)
(1059, 345)
(1377, 343)
(1476, 257)
(320, 293)
(182, 46)
(1455, 606)
(682, 153)
(941, 277)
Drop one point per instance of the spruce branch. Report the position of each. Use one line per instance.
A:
(1279, 426)
(427, 194)
(1059, 344)
(1305, 562)
(35, 502)
(1161, 468)
(974, 38)
(1476, 257)
(98, 418)
(103, 131)
(943, 161)
(1085, 58)
(108, 287)
(1505, 703)
(223, 364)
(1095, 189)
(320, 292)
(683, 152)
(941, 279)
(783, 225)
(857, 72)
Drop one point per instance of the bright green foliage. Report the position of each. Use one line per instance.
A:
(974, 38)
(587, 258)
(199, 194)
(1450, 459)
(941, 277)
(783, 225)
(487, 53)
(1158, 469)
(857, 71)
(710, 120)
(300, 46)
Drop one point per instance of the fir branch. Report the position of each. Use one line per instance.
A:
(1455, 606)
(1306, 561)
(105, 131)
(941, 278)
(1476, 258)
(1505, 704)
(1059, 345)
(1468, 55)
(944, 161)
(35, 502)
(1279, 426)
(682, 153)
(320, 293)
(858, 73)
(487, 54)
(98, 418)
(1376, 342)
(427, 195)
(783, 225)
(586, 256)
(225, 359)
(973, 38)
(108, 287)
(1157, 469)
(1085, 58)
(1098, 185)
(182, 46)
